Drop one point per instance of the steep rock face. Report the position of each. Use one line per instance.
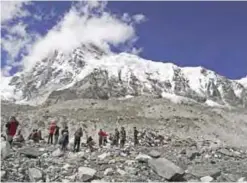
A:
(89, 72)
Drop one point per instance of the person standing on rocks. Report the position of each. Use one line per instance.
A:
(123, 137)
(90, 143)
(56, 134)
(116, 137)
(11, 128)
(135, 136)
(51, 132)
(19, 137)
(40, 135)
(102, 137)
(65, 138)
(77, 140)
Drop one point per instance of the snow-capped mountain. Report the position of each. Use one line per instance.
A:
(89, 72)
(243, 81)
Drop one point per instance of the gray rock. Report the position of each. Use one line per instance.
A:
(121, 172)
(108, 171)
(166, 169)
(86, 174)
(30, 152)
(207, 179)
(57, 153)
(154, 154)
(143, 158)
(228, 153)
(3, 174)
(192, 154)
(34, 174)
(201, 171)
(242, 179)
(5, 149)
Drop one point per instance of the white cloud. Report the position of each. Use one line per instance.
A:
(5, 71)
(86, 22)
(15, 41)
(12, 9)
(136, 51)
(139, 18)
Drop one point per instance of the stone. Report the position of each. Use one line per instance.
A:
(5, 149)
(121, 172)
(166, 169)
(112, 161)
(104, 155)
(130, 162)
(34, 174)
(228, 153)
(30, 152)
(201, 171)
(143, 158)
(3, 174)
(108, 171)
(131, 170)
(154, 154)
(192, 154)
(242, 179)
(86, 174)
(57, 153)
(207, 179)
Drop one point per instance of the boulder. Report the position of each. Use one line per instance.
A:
(192, 154)
(57, 153)
(226, 152)
(166, 169)
(104, 155)
(3, 174)
(242, 179)
(154, 154)
(34, 174)
(86, 174)
(5, 149)
(121, 172)
(207, 179)
(108, 171)
(143, 158)
(201, 171)
(30, 152)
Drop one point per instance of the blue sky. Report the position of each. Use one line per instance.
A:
(209, 34)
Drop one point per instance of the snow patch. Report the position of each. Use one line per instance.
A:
(213, 104)
(176, 99)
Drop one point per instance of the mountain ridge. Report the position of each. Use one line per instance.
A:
(89, 72)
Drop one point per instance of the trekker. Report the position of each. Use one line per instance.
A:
(11, 128)
(135, 136)
(56, 133)
(51, 132)
(65, 138)
(77, 140)
(19, 137)
(40, 135)
(102, 137)
(123, 137)
(116, 137)
(90, 143)
(34, 136)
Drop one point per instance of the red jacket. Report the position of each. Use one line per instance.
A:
(102, 134)
(12, 127)
(52, 128)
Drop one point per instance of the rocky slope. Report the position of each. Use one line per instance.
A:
(89, 72)
(198, 142)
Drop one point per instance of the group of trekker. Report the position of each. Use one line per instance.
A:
(54, 131)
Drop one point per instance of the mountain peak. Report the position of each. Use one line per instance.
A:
(90, 72)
